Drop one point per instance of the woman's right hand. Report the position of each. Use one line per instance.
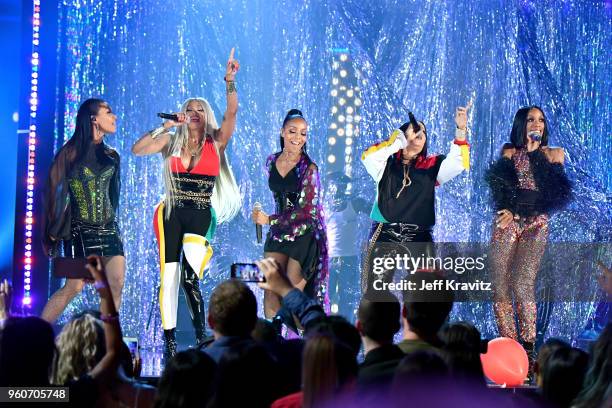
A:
(504, 218)
(182, 118)
(259, 217)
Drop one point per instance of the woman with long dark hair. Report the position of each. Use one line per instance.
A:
(297, 239)
(528, 183)
(406, 177)
(82, 201)
(201, 192)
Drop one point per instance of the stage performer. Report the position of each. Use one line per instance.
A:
(406, 177)
(528, 183)
(81, 204)
(200, 193)
(297, 237)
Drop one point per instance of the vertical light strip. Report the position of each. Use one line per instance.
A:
(29, 218)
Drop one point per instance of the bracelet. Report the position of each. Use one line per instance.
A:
(109, 318)
(157, 132)
(228, 80)
(460, 132)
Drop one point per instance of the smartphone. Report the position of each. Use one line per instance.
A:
(132, 343)
(247, 272)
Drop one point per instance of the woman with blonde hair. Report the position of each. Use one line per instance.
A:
(200, 192)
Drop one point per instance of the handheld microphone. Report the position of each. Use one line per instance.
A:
(169, 116)
(415, 125)
(535, 135)
(257, 207)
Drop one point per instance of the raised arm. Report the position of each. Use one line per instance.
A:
(458, 157)
(229, 117)
(107, 367)
(375, 157)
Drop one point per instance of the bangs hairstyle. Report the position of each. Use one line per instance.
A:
(225, 199)
(518, 135)
(404, 128)
(292, 114)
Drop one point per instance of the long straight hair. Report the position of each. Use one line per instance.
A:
(82, 138)
(225, 199)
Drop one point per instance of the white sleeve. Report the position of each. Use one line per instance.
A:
(452, 165)
(375, 157)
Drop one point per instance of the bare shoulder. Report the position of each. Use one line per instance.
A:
(554, 154)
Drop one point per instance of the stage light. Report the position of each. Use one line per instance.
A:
(350, 93)
(334, 92)
(340, 132)
(335, 81)
(357, 102)
(343, 73)
(31, 176)
(348, 150)
(341, 118)
(341, 101)
(349, 109)
(334, 125)
(331, 158)
(334, 109)
(331, 141)
(343, 57)
(349, 132)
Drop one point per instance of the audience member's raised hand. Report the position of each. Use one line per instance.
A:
(5, 299)
(276, 280)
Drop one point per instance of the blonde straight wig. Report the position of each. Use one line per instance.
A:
(225, 200)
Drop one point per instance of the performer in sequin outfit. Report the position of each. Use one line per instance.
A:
(528, 183)
(406, 177)
(200, 193)
(81, 203)
(297, 238)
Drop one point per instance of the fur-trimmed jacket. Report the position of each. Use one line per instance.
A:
(555, 190)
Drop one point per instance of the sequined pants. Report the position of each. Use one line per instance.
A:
(515, 253)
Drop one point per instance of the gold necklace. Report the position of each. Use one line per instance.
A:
(406, 181)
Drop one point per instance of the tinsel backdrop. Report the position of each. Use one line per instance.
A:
(425, 56)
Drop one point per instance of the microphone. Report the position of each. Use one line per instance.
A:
(170, 116)
(257, 207)
(535, 136)
(415, 125)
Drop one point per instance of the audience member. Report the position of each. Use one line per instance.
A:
(424, 313)
(187, 381)
(597, 387)
(232, 314)
(462, 346)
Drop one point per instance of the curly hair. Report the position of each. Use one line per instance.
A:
(80, 347)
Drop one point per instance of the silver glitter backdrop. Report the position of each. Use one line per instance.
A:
(426, 56)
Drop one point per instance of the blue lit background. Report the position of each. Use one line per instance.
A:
(424, 56)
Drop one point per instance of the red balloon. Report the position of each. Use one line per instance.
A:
(505, 362)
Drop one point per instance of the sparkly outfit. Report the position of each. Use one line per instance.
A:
(403, 213)
(183, 239)
(531, 187)
(297, 229)
(81, 204)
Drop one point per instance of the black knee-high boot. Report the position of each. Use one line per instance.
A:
(169, 344)
(195, 304)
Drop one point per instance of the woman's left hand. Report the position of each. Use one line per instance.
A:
(232, 67)
(259, 217)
